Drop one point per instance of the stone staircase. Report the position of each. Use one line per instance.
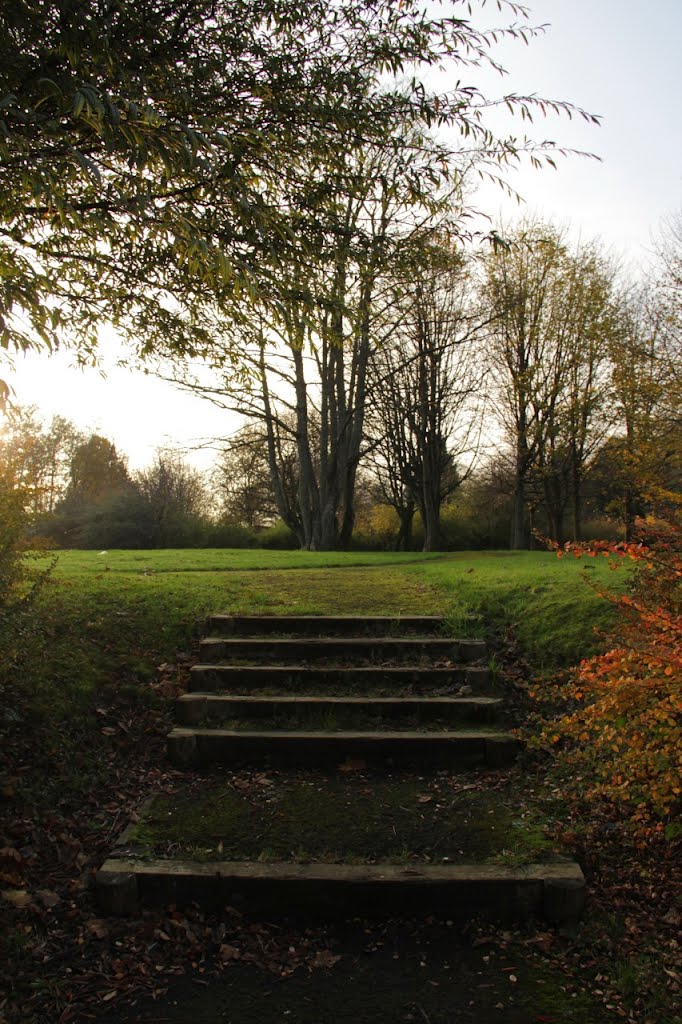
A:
(308, 692)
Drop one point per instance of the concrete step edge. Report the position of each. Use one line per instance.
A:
(217, 677)
(320, 648)
(190, 747)
(342, 734)
(350, 670)
(335, 701)
(436, 642)
(557, 890)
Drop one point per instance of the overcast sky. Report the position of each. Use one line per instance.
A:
(615, 58)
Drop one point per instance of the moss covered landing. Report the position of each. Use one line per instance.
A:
(346, 817)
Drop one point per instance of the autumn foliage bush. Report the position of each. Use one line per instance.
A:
(622, 735)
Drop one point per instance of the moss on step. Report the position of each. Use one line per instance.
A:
(344, 818)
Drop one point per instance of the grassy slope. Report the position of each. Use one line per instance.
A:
(105, 622)
(89, 563)
(550, 604)
(547, 601)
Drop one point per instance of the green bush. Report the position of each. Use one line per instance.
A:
(231, 535)
(278, 537)
(19, 577)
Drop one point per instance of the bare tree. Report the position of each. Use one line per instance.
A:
(174, 493)
(308, 353)
(242, 482)
(425, 409)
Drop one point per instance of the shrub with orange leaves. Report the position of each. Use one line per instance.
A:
(623, 734)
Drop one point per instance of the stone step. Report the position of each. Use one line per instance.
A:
(244, 678)
(195, 708)
(346, 649)
(556, 891)
(458, 750)
(323, 625)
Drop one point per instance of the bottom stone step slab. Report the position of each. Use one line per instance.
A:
(459, 750)
(553, 891)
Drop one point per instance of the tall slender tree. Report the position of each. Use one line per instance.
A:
(425, 413)
(553, 327)
(645, 444)
(36, 458)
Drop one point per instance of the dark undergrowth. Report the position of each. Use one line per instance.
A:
(84, 711)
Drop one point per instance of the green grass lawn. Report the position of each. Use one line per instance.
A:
(73, 563)
(547, 602)
(551, 605)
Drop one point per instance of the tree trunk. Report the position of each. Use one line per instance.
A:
(577, 504)
(403, 541)
(308, 495)
(431, 517)
(518, 540)
(283, 506)
(328, 528)
(629, 515)
(554, 507)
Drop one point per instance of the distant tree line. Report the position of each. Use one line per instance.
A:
(526, 390)
(528, 387)
(79, 492)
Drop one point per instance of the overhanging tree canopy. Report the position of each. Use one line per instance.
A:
(142, 143)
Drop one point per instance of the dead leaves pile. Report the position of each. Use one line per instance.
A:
(62, 962)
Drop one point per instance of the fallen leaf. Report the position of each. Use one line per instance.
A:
(11, 866)
(98, 928)
(325, 958)
(17, 897)
(353, 765)
(48, 898)
(228, 952)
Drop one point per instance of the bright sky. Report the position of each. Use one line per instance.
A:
(620, 61)
(611, 57)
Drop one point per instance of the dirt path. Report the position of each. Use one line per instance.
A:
(390, 973)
